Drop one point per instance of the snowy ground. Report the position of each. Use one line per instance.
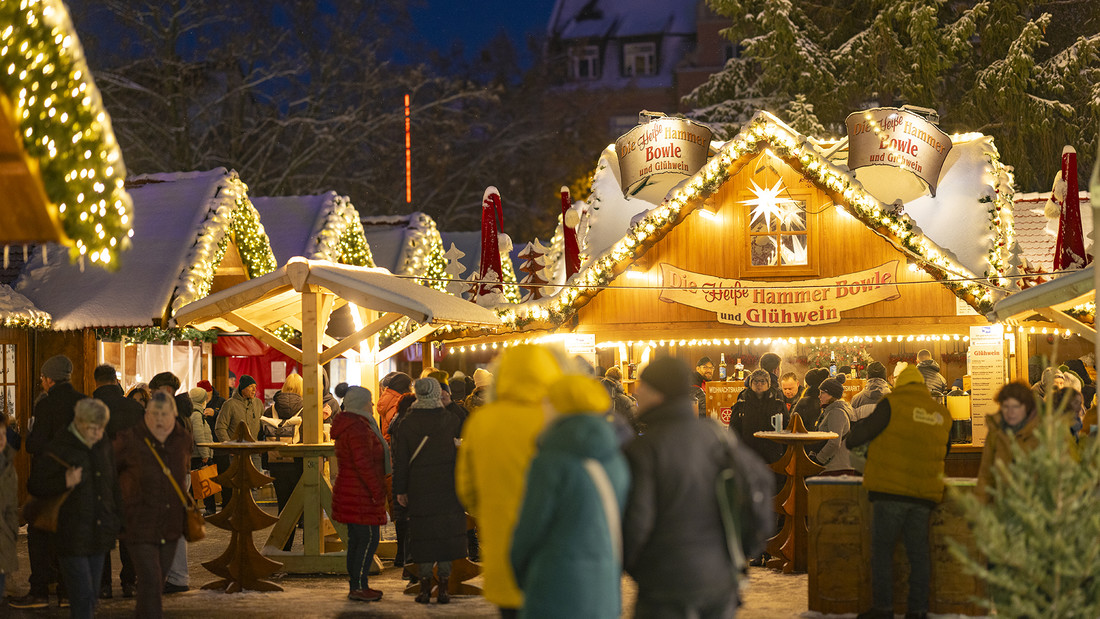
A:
(770, 594)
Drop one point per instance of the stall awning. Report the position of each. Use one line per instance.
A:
(1052, 300)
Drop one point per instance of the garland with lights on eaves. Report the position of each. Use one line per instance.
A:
(767, 131)
(64, 127)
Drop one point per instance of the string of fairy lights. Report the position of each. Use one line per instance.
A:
(64, 128)
(749, 341)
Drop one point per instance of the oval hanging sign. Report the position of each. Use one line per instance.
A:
(898, 138)
(655, 156)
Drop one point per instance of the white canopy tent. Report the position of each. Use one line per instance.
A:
(1051, 300)
(302, 294)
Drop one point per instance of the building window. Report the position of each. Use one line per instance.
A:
(639, 59)
(584, 62)
(777, 227)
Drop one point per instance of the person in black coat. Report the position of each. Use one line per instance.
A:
(754, 414)
(88, 522)
(808, 406)
(52, 414)
(423, 480)
(125, 413)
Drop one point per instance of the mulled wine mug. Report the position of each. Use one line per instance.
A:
(777, 422)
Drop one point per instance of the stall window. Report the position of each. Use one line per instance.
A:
(778, 234)
(639, 59)
(584, 62)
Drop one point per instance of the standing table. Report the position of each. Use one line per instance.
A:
(788, 547)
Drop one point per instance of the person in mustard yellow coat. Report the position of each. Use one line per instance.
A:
(907, 436)
(498, 444)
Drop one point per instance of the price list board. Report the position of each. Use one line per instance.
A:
(987, 374)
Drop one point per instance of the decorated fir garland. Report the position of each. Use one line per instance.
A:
(156, 335)
(64, 127)
(854, 354)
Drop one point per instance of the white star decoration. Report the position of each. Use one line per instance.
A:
(767, 204)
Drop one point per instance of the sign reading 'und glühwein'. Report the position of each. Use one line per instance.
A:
(780, 304)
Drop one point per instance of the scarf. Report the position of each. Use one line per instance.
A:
(387, 467)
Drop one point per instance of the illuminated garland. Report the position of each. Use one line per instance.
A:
(156, 335)
(231, 211)
(64, 127)
(422, 258)
(764, 131)
(341, 237)
(19, 311)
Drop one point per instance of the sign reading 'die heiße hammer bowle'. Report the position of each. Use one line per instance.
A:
(780, 304)
(897, 138)
(655, 156)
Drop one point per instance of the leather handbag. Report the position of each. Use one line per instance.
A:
(42, 513)
(194, 523)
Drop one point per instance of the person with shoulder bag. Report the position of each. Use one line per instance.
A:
(79, 465)
(155, 514)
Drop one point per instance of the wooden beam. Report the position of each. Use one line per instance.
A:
(264, 336)
(1067, 321)
(403, 343)
(352, 340)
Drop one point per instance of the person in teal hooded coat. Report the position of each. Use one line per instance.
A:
(567, 544)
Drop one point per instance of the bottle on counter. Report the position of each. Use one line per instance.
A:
(722, 367)
(739, 369)
(832, 363)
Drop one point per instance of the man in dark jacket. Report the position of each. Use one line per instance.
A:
(682, 569)
(169, 383)
(791, 389)
(125, 413)
(936, 383)
(52, 415)
(704, 369)
(874, 390)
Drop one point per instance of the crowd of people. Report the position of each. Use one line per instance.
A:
(570, 480)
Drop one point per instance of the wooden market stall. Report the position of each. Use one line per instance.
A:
(61, 175)
(303, 295)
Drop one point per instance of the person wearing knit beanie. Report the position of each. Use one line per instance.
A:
(205, 384)
(358, 400)
(58, 368)
(198, 396)
(668, 376)
(440, 376)
(245, 382)
(808, 406)
(833, 387)
(428, 393)
(876, 370)
(482, 378)
(424, 482)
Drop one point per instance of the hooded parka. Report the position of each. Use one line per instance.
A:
(562, 549)
(498, 443)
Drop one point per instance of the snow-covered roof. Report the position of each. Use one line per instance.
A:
(611, 23)
(178, 242)
(17, 310)
(311, 226)
(1058, 299)
(576, 19)
(1038, 235)
(269, 299)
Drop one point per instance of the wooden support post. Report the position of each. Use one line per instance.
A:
(312, 330)
(1023, 351)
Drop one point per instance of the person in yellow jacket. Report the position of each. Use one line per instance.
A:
(498, 444)
(908, 437)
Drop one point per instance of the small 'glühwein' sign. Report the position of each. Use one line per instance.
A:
(779, 304)
(897, 138)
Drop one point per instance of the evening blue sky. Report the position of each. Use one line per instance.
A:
(441, 22)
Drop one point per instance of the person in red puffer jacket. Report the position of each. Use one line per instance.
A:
(359, 494)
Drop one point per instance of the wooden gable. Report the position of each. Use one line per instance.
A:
(27, 215)
(714, 241)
